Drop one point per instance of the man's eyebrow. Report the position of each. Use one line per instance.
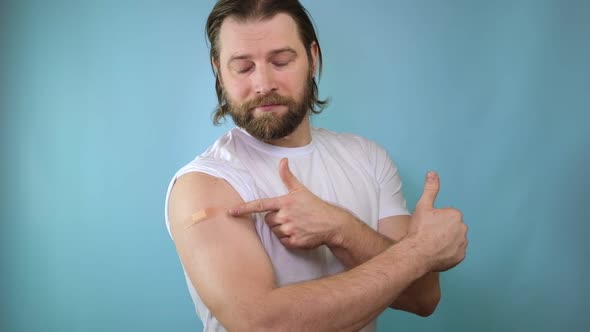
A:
(283, 50)
(271, 53)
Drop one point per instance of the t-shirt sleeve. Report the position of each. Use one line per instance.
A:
(391, 199)
(216, 168)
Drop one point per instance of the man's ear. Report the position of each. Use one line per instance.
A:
(215, 66)
(314, 57)
(217, 71)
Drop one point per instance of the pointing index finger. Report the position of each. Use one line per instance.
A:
(256, 206)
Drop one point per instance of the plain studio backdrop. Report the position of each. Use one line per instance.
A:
(102, 101)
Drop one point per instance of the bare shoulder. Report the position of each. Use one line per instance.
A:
(210, 198)
(197, 190)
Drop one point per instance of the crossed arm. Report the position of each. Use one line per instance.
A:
(359, 243)
(233, 275)
(302, 220)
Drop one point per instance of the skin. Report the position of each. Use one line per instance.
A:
(223, 255)
(249, 65)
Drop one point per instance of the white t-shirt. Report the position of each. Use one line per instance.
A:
(342, 169)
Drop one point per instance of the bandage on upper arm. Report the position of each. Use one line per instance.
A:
(203, 214)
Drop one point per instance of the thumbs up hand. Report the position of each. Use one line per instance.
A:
(440, 233)
(299, 219)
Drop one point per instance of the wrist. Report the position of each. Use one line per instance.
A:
(413, 248)
(345, 224)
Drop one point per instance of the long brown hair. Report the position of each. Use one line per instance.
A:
(245, 10)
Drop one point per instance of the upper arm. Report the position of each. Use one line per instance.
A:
(395, 227)
(222, 255)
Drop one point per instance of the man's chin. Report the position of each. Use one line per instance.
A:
(269, 125)
(269, 131)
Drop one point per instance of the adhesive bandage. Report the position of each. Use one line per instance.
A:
(201, 215)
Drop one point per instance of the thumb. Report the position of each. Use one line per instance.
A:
(287, 177)
(431, 188)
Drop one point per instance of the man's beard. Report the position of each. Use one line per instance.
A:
(270, 126)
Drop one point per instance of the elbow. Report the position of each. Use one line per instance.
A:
(264, 317)
(244, 317)
(249, 322)
(263, 322)
(422, 299)
(274, 320)
(427, 305)
(267, 323)
(252, 321)
(269, 313)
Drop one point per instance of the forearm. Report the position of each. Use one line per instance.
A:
(358, 243)
(421, 297)
(347, 301)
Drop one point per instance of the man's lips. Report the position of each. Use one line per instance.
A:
(268, 108)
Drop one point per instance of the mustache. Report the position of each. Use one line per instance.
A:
(269, 99)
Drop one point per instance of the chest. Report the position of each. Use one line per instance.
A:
(339, 181)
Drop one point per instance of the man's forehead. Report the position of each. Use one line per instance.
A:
(257, 36)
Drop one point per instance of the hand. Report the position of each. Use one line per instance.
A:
(440, 233)
(299, 219)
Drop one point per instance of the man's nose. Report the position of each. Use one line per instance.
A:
(264, 80)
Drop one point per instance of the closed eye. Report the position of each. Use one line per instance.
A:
(281, 63)
(244, 70)
(282, 58)
(241, 66)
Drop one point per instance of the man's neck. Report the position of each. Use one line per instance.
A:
(301, 136)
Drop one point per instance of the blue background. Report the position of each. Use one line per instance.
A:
(102, 101)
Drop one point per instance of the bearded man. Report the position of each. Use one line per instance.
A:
(283, 227)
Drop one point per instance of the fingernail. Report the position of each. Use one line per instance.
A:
(430, 176)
